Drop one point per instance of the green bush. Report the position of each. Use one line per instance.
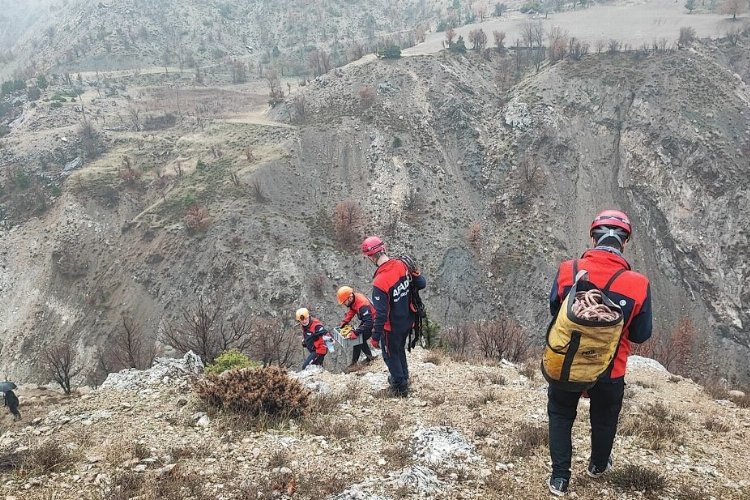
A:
(390, 52)
(55, 104)
(231, 360)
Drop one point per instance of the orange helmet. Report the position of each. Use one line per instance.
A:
(343, 293)
(302, 314)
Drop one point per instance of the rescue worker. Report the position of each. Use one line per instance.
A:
(610, 232)
(313, 339)
(394, 311)
(360, 306)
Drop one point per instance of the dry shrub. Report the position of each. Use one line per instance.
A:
(488, 396)
(687, 492)
(397, 456)
(318, 285)
(367, 96)
(347, 219)
(389, 425)
(677, 350)
(326, 403)
(434, 357)
(527, 438)
(437, 399)
(638, 478)
(657, 426)
(715, 425)
(141, 451)
(125, 486)
(497, 339)
(11, 461)
(716, 390)
(474, 235)
(741, 401)
(197, 218)
(178, 484)
(260, 392)
(529, 370)
(497, 378)
(317, 485)
(279, 458)
(50, 456)
(129, 175)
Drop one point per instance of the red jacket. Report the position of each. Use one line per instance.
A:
(631, 290)
(390, 297)
(312, 336)
(365, 312)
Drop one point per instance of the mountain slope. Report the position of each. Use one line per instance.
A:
(468, 431)
(487, 182)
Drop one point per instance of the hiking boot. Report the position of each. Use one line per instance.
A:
(557, 486)
(351, 368)
(592, 470)
(369, 359)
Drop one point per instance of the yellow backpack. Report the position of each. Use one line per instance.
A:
(582, 338)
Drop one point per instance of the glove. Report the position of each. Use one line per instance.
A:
(343, 324)
(375, 343)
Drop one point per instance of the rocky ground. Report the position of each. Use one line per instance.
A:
(467, 431)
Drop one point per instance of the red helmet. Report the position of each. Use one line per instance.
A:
(611, 218)
(372, 245)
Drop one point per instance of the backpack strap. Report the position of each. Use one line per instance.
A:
(575, 269)
(612, 280)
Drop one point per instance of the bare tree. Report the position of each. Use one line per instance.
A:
(272, 343)
(205, 331)
(733, 7)
(275, 92)
(558, 43)
(499, 39)
(502, 339)
(60, 363)
(478, 38)
(347, 220)
(450, 34)
(130, 348)
(687, 35)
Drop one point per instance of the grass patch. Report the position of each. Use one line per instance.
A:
(397, 456)
(657, 426)
(497, 378)
(527, 438)
(390, 424)
(48, 457)
(715, 425)
(638, 478)
(434, 357)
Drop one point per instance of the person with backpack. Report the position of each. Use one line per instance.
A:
(360, 306)
(621, 314)
(11, 401)
(393, 287)
(313, 337)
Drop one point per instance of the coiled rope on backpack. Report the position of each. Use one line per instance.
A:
(588, 305)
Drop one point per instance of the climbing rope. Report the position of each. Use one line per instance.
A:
(588, 305)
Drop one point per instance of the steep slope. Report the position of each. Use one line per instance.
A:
(468, 431)
(89, 35)
(488, 184)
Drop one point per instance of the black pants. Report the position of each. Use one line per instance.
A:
(606, 403)
(364, 347)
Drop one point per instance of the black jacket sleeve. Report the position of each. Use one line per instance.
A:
(365, 319)
(641, 326)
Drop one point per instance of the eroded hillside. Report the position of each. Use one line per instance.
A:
(486, 180)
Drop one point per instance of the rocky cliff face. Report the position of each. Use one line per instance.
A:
(486, 182)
